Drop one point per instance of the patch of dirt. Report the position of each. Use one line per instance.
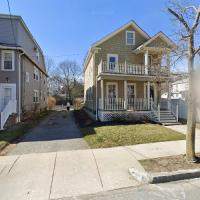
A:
(169, 164)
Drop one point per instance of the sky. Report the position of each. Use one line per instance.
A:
(65, 29)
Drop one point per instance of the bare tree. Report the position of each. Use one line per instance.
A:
(186, 15)
(70, 73)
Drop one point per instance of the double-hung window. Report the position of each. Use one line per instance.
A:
(130, 37)
(8, 61)
(36, 74)
(36, 96)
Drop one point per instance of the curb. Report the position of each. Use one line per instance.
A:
(164, 177)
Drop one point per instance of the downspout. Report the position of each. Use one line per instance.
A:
(96, 98)
(19, 88)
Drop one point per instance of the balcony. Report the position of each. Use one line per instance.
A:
(132, 69)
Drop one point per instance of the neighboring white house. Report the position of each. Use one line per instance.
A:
(179, 89)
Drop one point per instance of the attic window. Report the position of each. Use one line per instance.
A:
(130, 37)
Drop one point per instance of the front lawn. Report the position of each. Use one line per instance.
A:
(120, 135)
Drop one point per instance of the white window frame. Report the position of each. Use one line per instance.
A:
(135, 89)
(133, 32)
(111, 83)
(36, 92)
(36, 74)
(112, 55)
(27, 77)
(2, 60)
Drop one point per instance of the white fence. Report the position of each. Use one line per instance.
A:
(10, 108)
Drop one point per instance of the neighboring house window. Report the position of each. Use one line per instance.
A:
(8, 60)
(36, 74)
(27, 77)
(130, 38)
(36, 96)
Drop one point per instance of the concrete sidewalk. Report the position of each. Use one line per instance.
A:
(77, 172)
(65, 174)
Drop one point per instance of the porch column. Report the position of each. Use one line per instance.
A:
(156, 94)
(146, 61)
(102, 94)
(169, 94)
(125, 95)
(148, 95)
(168, 61)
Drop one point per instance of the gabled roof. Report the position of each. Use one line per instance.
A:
(131, 23)
(161, 35)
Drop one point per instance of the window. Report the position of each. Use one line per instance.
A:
(130, 38)
(112, 61)
(27, 77)
(8, 60)
(36, 96)
(131, 91)
(112, 90)
(36, 74)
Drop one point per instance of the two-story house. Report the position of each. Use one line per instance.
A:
(23, 77)
(123, 73)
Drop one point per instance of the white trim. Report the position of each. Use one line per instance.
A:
(7, 85)
(133, 38)
(163, 36)
(135, 89)
(111, 83)
(2, 60)
(112, 55)
(154, 87)
(35, 92)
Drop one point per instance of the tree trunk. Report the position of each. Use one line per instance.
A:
(191, 121)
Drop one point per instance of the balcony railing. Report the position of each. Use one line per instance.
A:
(132, 69)
(117, 104)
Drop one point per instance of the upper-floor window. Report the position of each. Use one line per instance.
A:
(7, 60)
(36, 96)
(36, 74)
(130, 37)
(27, 77)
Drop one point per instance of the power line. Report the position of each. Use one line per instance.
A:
(11, 21)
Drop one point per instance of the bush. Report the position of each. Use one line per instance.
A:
(51, 102)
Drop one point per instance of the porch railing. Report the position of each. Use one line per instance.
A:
(10, 108)
(116, 104)
(132, 69)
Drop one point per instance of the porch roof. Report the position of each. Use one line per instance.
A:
(131, 77)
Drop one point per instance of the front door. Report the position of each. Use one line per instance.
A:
(131, 91)
(8, 92)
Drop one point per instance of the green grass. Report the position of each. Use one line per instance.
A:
(8, 136)
(120, 135)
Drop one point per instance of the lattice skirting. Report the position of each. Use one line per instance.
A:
(124, 115)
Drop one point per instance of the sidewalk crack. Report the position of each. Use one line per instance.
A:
(52, 176)
(97, 169)
(13, 164)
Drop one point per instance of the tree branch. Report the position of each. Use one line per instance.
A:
(197, 51)
(180, 19)
(196, 21)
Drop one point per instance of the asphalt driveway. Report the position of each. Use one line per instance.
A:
(57, 132)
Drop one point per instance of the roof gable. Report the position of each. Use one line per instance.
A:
(131, 23)
(160, 40)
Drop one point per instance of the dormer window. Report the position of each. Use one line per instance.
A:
(7, 60)
(130, 37)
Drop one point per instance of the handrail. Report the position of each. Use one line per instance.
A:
(10, 108)
(155, 109)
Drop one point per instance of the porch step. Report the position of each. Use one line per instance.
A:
(167, 118)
